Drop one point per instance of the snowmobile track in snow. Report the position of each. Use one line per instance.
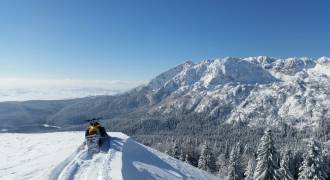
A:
(84, 165)
(60, 155)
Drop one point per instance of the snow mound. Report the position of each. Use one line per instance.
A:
(61, 155)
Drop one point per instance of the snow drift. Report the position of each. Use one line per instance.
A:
(61, 155)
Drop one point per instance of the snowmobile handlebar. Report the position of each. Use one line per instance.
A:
(94, 119)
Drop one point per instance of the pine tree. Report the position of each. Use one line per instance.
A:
(168, 152)
(182, 156)
(296, 163)
(326, 161)
(175, 151)
(239, 148)
(191, 154)
(284, 170)
(227, 152)
(267, 168)
(234, 172)
(187, 159)
(249, 172)
(244, 160)
(222, 164)
(206, 160)
(313, 167)
(202, 164)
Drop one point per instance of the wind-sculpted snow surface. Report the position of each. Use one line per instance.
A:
(141, 162)
(33, 156)
(62, 156)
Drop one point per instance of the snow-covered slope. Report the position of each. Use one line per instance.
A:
(61, 155)
(256, 90)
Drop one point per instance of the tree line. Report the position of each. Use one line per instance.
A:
(306, 159)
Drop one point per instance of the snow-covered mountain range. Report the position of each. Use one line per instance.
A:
(256, 90)
(253, 89)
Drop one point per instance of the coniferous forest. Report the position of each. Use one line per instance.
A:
(238, 151)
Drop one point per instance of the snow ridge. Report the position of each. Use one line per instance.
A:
(253, 89)
(120, 158)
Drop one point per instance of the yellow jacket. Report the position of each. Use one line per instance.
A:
(93, 130)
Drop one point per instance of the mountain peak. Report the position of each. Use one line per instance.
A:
(293, 89)
(324, 60)
(188, 62)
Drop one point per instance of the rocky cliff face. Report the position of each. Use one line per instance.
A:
(255, 90)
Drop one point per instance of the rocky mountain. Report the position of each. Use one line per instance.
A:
(254, 90)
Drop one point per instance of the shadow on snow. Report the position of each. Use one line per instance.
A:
(139, 163)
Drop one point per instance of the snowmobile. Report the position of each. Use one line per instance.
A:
(95, 135)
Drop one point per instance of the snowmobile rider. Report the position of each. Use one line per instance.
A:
(96, 128)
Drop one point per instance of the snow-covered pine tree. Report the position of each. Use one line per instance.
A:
(211, 162)
(227, 152)
(182, 155)
(206, 160)
(249, 172)
(202, 161)
(167, 152)
(297, 160)
(187, 159)
(245, 157)
(284, 170)
(246, 149)
(175, 151)
(190, 152)
(234, 172)
(326, 161)
(313, 167)
(239, 148)
(267, 167)
(222, 164)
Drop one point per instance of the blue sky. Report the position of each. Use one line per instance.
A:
(134, 40)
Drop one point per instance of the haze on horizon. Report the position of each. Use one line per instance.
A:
(66, 49)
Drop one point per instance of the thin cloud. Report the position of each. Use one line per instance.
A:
(21, 89)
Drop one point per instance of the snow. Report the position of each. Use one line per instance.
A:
(62, 155)
(253, 89)
(321, 69)
(33, 156)
(50, 126)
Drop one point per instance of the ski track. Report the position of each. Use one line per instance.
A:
(82, 165)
